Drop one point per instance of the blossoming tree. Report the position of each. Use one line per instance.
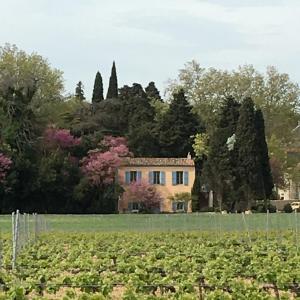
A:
(5, 165)
(100, 165)
(143, 193)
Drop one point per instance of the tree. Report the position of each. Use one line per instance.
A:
(79, 93)
(177, 126)
(98, 89)
(60, 138)
(274, 92)
(21, 70)
(143, 193)
(18, 121)
(100, 166)
(264, 154)
(5, 165)
(112, 91)
(249, 160)
(138, 114)
(221, 165)
(152, 92)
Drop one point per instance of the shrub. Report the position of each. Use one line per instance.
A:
(288, 208)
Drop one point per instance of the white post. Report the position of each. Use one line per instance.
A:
(296, 230)
(246, 226)
(267, 225)
(15, 219)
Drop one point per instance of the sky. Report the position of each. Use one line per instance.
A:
(152, 40)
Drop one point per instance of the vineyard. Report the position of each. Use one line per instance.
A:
(154, 265)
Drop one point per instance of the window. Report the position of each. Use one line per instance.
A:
(179, 177)
(180, 206)
(156, 177)
(135, 206)
(133, 176)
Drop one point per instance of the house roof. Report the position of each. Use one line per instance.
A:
(157, 161)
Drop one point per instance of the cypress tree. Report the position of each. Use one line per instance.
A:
(152, 92)
(264, 155)
(176, 128)
(222, 161)
(249, 160)
(98, 89)
(79, 93)
(112, 91)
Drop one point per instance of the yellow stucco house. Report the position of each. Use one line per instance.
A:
(168, 175)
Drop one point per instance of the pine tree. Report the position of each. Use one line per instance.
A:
(112, 91)
(152, 92)
(249, 160)
(176, 128)
(79, 93)
(264, 155)
(98, 89)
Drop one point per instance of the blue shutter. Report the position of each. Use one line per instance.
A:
(162, 178)
(138, 176)
(174, 206)
(130, 206)
(186, 178)
(174, 178)
(150, 177)
(127, 177)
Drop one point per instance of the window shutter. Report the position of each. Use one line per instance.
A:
(138, 176)
(127, 177)
(174, 178)
(174, 206)
(130, 206)
(150, 177)
(186, 178)
(162, 178)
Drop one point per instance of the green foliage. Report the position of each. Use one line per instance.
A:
(177, 126)
(108, 265)
(200, 145)
(112, 91)
(152, 92)
(288, 208)
(98, 89)
(249, 163)
(263, 154)
(273, 92)
(220, 169)
(79, 92)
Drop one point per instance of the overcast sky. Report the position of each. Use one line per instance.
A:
(152, 40)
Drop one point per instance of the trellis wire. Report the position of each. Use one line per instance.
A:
(25, 229)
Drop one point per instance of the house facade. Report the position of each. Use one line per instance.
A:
(170, 176)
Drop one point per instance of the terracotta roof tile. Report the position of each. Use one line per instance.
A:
(157, 161)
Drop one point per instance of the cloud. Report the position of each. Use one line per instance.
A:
(151, 40)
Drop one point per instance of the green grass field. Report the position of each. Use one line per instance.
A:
(168, 222)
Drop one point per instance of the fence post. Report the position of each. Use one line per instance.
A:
(15, 221)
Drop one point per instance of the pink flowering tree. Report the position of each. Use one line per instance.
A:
(143, 193)
(60, 138)
(100, 167)
(5, 165)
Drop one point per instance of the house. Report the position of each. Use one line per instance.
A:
(168, 175)
(292, 191)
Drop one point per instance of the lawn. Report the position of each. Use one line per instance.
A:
(165, 222)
